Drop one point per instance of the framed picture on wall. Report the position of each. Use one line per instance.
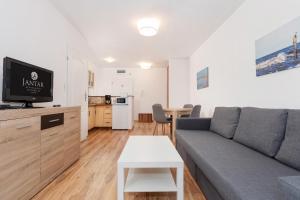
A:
(202, 79)
(279, 50)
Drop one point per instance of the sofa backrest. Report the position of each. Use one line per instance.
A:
(262, 129)
(225, 121)
(289, 152)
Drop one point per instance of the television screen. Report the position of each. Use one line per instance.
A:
(25, 82)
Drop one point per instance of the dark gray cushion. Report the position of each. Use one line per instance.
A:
(225, 121)
(290, 187)
(289, 152)
(261, 129)
(236, 171)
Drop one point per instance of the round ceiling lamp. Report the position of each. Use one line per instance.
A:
(145, 65)
(148, 26)
(110, 59)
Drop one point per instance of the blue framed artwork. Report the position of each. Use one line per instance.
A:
(279, 50)
(202, 79)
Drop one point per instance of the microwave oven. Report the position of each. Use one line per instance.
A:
(121, 100)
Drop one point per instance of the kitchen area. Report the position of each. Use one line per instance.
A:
(117, 96)
(114, 110)
(108, 111)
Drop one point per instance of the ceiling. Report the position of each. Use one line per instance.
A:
(110, 27)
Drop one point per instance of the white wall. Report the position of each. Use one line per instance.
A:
(179, 92)
(149, 86)
(230, 55)
(34, 31)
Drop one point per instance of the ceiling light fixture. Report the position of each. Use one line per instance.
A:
(145, 65)
(148, 26)
(110, 59)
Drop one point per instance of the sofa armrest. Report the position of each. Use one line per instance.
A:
(290, 187)
(193, 123)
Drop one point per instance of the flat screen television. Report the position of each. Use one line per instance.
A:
(27, 83)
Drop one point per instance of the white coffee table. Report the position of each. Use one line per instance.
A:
(149, 159)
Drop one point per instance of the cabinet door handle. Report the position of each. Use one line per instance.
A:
(24, 126)
(72, 117)
(54, 120)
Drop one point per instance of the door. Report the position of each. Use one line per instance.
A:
(71, 138)
(52, 152)
(99, 116)
(20, 157)
(77, 91)
(92, 116)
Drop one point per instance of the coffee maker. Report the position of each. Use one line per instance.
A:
(107, 99)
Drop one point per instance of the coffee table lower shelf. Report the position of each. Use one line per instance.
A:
(150, 180)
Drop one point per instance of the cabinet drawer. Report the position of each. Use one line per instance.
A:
(107, 116)
(52, 152)
(107, 124)
(20, 157)
(49, 121)
(107, 111)
(107, 120)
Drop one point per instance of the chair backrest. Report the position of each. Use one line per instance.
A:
(196, 111)
(159, 114)
(188, 106)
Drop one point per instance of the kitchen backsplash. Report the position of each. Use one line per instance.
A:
(97, 100)
(101, 99)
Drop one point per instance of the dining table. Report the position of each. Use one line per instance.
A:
(175, 113)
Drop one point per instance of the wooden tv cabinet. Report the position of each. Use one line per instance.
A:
(36, 145)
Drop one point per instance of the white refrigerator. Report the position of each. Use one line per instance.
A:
(122, 115)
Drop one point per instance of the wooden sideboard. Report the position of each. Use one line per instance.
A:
(31, 157)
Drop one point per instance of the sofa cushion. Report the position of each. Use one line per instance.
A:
(289, 152)
(236, 171)
(261, 129)
(289, 187)
(225, 121)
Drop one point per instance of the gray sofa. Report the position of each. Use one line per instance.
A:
(243, 153)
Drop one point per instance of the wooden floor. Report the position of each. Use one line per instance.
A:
(93, 177)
